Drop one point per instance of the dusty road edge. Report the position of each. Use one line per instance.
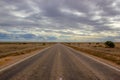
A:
(99, 60)
(9, 66)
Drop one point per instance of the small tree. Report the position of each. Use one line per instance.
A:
(97, 43)
(109, 44)
(89, 43)
(43, 43)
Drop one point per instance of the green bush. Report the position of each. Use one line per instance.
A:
(109, 44)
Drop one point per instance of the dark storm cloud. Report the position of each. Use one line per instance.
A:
(79, 17)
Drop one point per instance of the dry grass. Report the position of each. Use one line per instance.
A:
(13, 49)
(111, 54)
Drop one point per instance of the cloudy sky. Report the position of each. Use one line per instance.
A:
(59, 20)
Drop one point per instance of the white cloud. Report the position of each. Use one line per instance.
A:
(4, 31)
(114, 25)
(21, 14)
(72, 12)
(10, 7)
(33, 6)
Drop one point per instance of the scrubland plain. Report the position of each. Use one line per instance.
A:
(17, 48)
(99, 49)
(11, 52)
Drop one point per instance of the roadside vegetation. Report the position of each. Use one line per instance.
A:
(106, 50)
(17, 48)
(109, 44)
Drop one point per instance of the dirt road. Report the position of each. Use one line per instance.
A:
(60, 62)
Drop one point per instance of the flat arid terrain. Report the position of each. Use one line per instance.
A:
(11, 52)
(65, 61)
(98, 46)
(59, 40)
(100, 50)
(10, 48)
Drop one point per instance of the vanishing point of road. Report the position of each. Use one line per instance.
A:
(60, 62)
